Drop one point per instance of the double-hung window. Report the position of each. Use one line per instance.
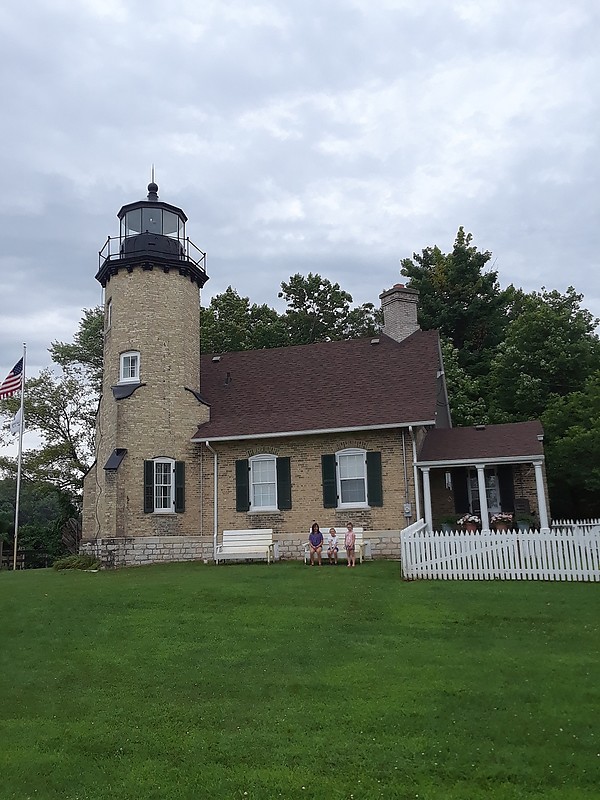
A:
(164, 473)
(164, 486)
(130, 367)
(263, 480)
(263, 483)
(352, 478)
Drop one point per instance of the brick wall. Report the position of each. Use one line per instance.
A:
(291, 527)
(399, 306)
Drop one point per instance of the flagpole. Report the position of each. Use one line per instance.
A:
(19, 460)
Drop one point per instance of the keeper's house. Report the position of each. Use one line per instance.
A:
(188, 445)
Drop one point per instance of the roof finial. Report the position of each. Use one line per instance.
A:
(152, 187)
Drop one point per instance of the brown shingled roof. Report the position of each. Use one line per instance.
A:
(323, 386)
(493, 442)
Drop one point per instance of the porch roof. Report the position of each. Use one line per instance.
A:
(516, 441)
(356, 385)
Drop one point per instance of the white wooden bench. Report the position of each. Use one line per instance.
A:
(362, 547)
(256, 544)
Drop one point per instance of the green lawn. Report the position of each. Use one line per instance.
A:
(193, 681)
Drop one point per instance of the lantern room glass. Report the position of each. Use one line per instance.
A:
(150, 219)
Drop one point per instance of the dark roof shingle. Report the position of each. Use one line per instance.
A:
(322, 386)
(511, 440)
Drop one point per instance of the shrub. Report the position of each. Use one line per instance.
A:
(76, 562)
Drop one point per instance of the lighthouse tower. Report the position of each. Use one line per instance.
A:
(146, 478)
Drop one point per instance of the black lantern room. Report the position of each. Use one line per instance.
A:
(152, 235)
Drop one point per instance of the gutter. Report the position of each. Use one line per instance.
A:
(281, 434)
(479, 461)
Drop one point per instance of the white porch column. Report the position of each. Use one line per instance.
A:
(483, 504)
(541, 494)
(427, 498)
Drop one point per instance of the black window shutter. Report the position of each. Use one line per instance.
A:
(242, 485)
(284, 484)
(148, 487)
(180, 486)
(460, 490)
(374, 479)
(329, 481)
(507, 487)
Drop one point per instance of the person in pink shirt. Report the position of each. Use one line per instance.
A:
(350, 544)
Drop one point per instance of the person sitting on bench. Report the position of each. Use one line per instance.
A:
(315, 541)
(332, 546)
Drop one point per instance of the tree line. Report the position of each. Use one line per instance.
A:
(509, 356)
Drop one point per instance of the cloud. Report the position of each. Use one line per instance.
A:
(334, 138)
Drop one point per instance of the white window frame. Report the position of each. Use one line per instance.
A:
(254, 480)
(128, 377)
(351, 451)
(169, 506)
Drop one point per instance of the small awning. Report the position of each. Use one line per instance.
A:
(115, 459)
(123, 390)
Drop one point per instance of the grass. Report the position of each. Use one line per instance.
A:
(249, 681)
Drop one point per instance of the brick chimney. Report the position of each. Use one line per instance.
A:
(399, 306)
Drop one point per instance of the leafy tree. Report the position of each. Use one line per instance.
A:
(460, 299)
(467, 406)
(550, 349)
(43, 510)
(62, 411)
(319, 311)
(572, 446)
(230, 323)
(85, 353)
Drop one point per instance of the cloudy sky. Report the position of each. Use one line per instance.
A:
(336, 137)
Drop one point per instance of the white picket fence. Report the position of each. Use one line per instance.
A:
(553, 555)
(575, 523)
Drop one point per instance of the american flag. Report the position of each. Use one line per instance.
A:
(13, 380)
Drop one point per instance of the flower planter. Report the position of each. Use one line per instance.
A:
(500, 526)
(471, 527)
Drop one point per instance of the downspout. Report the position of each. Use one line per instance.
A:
(216, 486)
(406, 495)
(415, 474)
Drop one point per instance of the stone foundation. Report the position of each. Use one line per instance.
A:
(134, 551)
